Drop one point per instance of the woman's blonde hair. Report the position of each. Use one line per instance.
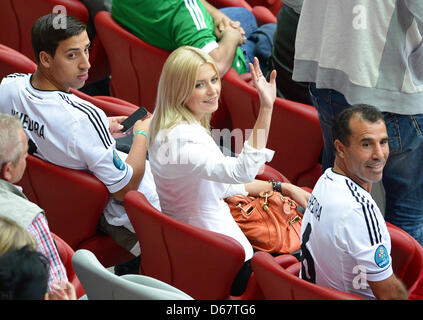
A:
(13, 236)
(177, 82)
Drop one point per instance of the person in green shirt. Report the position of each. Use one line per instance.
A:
(169, 24)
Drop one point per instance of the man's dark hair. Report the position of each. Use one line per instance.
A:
(341, 124)
(24, 274)
(49, 30)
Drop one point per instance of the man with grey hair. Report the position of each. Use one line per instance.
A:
(14, 204)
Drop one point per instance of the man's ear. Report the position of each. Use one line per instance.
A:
(6, 171)
(45, 59)
(339, 147)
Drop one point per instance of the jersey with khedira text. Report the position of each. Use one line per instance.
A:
(345, 241)
(73, 133)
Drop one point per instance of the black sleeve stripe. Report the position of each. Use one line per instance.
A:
(375, 223)
(15, 75)
(367, 224)
(369, 214)
(104, 129)
(97, 124)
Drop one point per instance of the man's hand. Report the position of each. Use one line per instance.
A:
(224, 24)
(115, 126)
(61, 290)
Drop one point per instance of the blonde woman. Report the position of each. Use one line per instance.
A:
(191, 173)
(13, 236)
(24, 271)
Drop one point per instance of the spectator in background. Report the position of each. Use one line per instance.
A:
(94, 7)
(370, 52)
(23, 275)
(230, 35)
(13, 236)
(24, 272)
(282, 57)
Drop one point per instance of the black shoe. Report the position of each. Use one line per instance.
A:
(129, 267)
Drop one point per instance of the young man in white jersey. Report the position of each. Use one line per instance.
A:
(345, 241)
(71, 132)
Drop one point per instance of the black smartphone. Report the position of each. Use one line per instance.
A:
(129, 122)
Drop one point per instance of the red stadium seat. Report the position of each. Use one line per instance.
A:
(173, 251)
(9, 27)
(262, 13)
(18, 17)
(230, 3)
(135, 65)
(12, 61)
(66, 253)
(407, 256)
(110, 105)
(294, 134)
(278, 283)
(272, 5)
(199, 262)
(73, 201)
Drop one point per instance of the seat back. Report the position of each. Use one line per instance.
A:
(230, 3)
(273, 5)
(21, 16)
(73, 201)
(135, 65)
(279, 284)
(66, 253)
(110, 105)
(101, 284)
(294, 134)
(199, 262)
(12, 61)
(407, 256)
(262, 13)
(9, 27)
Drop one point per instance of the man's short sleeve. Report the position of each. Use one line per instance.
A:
(95, 146)
(368, 241)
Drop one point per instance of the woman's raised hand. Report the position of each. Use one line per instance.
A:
(266, 89)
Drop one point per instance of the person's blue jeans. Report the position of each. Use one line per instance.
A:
(259, 39)
(403, 173)
(328, 103)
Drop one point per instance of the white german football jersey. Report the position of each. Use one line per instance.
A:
(345, 241)
(71, 132)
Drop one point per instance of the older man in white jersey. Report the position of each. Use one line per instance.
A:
(345, 241)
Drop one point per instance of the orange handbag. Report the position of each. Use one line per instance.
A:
(271, 222)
